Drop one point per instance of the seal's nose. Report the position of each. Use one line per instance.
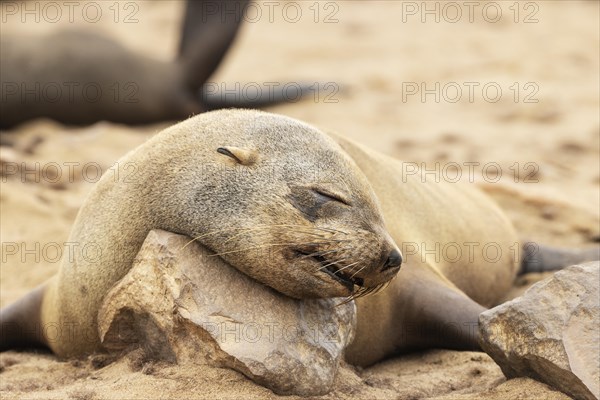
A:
(394, 260)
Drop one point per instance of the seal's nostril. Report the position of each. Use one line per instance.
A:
(394, 260)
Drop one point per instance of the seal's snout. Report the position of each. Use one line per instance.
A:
(394, 260)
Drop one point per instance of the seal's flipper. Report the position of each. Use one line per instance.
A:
(420, 309)
(20, 325)
(447, 318)
(209, 28)
(256, 96)
(539, 258)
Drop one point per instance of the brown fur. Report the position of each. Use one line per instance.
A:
(432, 302)
(243, 184)
(184, 184)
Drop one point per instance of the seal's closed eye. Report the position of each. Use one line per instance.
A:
(331, 197)
(241, 156)
(309, 201)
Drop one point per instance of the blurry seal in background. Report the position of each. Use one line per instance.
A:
(79, 77)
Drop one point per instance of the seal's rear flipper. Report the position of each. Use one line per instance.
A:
(209, 28)
(253, 95)
(539, 258)
(20, 325)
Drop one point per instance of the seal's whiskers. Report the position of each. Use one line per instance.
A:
(347, 266)
(360, 269)
(330, 264)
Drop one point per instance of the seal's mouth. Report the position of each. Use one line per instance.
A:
(334, 270)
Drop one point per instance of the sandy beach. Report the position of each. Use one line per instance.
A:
(508, 101)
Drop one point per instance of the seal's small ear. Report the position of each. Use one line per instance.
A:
(241, 156)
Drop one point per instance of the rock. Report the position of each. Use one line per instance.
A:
(180, 304)
(551, 333)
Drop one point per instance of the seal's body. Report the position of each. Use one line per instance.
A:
(101, 80)
(78, 77)
(461, 253)
(298, 210)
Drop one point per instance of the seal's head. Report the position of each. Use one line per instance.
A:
(283, 203)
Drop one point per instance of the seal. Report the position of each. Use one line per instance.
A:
(307, 213)
(233, 180)
(78, 77)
